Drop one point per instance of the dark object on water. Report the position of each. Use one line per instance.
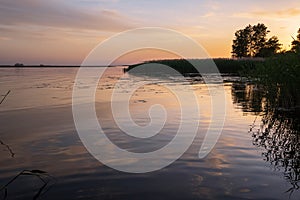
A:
(19, 65)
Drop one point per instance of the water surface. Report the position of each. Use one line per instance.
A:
(37, 132)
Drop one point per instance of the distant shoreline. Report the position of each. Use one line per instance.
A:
(187, 66)
(55, 66)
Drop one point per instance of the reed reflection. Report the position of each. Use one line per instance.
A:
(278, 133)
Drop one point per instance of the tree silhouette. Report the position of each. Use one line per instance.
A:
(252, 42)
(258, 38)
(240, 47)
(271, 47)
(296, 43)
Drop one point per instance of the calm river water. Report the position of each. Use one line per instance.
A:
(37, 132)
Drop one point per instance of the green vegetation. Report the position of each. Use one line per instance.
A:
(183, 66)
(274, 93)
(280, 77)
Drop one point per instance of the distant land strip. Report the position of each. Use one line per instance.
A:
(187, 66)
(54, 66)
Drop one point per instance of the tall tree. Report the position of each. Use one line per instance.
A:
(258, 38)
(296, 43)
(240, 47)
(252, 41)
(272, 46)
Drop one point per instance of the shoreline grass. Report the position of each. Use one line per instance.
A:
(186, 66)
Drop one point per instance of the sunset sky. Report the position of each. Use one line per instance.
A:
(64, 32)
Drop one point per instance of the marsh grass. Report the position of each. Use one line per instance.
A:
(279, 76)
(225, 65)
(273, 92)
(9, 149)
(46, 179)
(4, 96)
